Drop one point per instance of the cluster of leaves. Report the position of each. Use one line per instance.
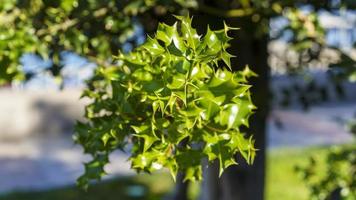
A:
(94, 29)
(339, 180)
(307, 50)
(98, 29)
(306, 29)
(305, 40)
(344, 68)
(13, 41)
(170, 103)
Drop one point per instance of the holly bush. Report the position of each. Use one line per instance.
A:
(171, 103)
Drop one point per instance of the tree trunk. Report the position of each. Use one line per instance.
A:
(181, 190)
(210, 187)
(335, 195)
(245, 182)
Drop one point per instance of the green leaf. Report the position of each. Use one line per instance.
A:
(244, 146)
(174, 50)
(229, 115)
(142, 75)
(211, 39)
(68, 5)
(210, 108)
(176, 134)
(217, 147)
(176, 82)
(226, 57)
(165, 33)
(158, 105)
(189, 33)
(153, 47)
(105, 138)
(190, 162)
(192, 110)
(145, 132)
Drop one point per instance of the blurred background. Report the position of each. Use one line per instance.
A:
(310, 118)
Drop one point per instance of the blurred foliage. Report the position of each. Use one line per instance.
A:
(338, 179)
(174, 101)
(94, 29)
(98, 29)
(45, 27)
(282, 181)
(344, 68)
(307, 38)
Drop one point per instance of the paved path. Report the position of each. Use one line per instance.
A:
(321, 125)
(43, 163)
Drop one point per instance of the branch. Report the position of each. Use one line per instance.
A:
(242, 12)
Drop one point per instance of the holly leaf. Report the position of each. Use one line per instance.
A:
(217, 147)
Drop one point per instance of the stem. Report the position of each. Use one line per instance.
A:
(215, 129)
(226, 13)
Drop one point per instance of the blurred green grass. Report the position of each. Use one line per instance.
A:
(282, 182)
